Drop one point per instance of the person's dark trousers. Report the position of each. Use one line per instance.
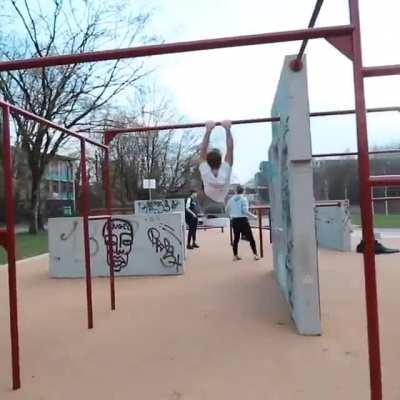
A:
(192, 224)
(240, 227)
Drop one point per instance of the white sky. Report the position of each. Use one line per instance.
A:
(240, 82)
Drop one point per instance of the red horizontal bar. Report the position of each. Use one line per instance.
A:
(385, 70)
(179, 47)
(384, 180)
(34, 117)
(117, 131)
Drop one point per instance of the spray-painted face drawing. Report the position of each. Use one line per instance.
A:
(121, 241)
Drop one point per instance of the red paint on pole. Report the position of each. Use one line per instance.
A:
(10, 247)
(86, 240)
(366, 211)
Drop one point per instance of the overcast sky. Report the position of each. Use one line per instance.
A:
(241, 82)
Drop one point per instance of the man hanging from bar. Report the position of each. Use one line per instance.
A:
(215, 172)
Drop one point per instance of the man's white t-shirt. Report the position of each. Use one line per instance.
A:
(216, 187)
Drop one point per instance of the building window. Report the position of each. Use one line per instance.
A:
(55, 187)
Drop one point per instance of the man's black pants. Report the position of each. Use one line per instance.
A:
(240, 227)
(192, 224)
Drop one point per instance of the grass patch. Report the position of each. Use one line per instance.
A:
(28, 246)
(380, 220)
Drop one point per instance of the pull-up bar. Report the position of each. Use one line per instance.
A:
(178, 47)
(117, 131)
(297, 64)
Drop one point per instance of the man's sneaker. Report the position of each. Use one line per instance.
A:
(195, 246)
(236, 258)
(256, 258)
(189, 247)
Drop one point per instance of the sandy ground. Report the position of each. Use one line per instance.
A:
(221, 331)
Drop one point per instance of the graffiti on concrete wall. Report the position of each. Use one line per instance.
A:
(166, 242)
(161, 206)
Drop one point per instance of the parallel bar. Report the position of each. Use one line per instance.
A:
(86, 241)
(326, 155)
(366, 206)
(345, 112)
(311, 24)
(386, 198)
(107, 190)
(117, 131)
(385, 70)
(11, 252)
(33, 117)
(179, 47)
(385, 180)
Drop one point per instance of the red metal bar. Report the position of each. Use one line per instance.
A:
(297, 64)
(86, 240)
(107, 190)
(10, 248)
(179, 47)
(33, 117)
(366, 211)
(385, 180)
(386, 70)
(260, 233)
(113, 132)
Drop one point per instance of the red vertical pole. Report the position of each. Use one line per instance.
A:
(260, 232)
(366, 210)
(107, 189)
(86, 240)
(11, 256)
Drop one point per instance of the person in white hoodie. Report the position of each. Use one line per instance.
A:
(215, 172)
(238, 210)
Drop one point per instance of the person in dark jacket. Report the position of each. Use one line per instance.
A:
(191, 217)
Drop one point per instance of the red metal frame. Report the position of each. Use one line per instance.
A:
(352, 50)
(7, 236)
(179, 47)
(366, 205)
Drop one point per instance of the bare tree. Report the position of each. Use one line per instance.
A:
(167, 156)
(68, 94)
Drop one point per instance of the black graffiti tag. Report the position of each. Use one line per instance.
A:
(162, 244)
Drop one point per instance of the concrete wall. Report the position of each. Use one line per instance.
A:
(292, 201)
(334, 227)
(142, 245)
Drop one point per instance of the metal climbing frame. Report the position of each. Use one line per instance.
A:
(7, 235)
(346, 39)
